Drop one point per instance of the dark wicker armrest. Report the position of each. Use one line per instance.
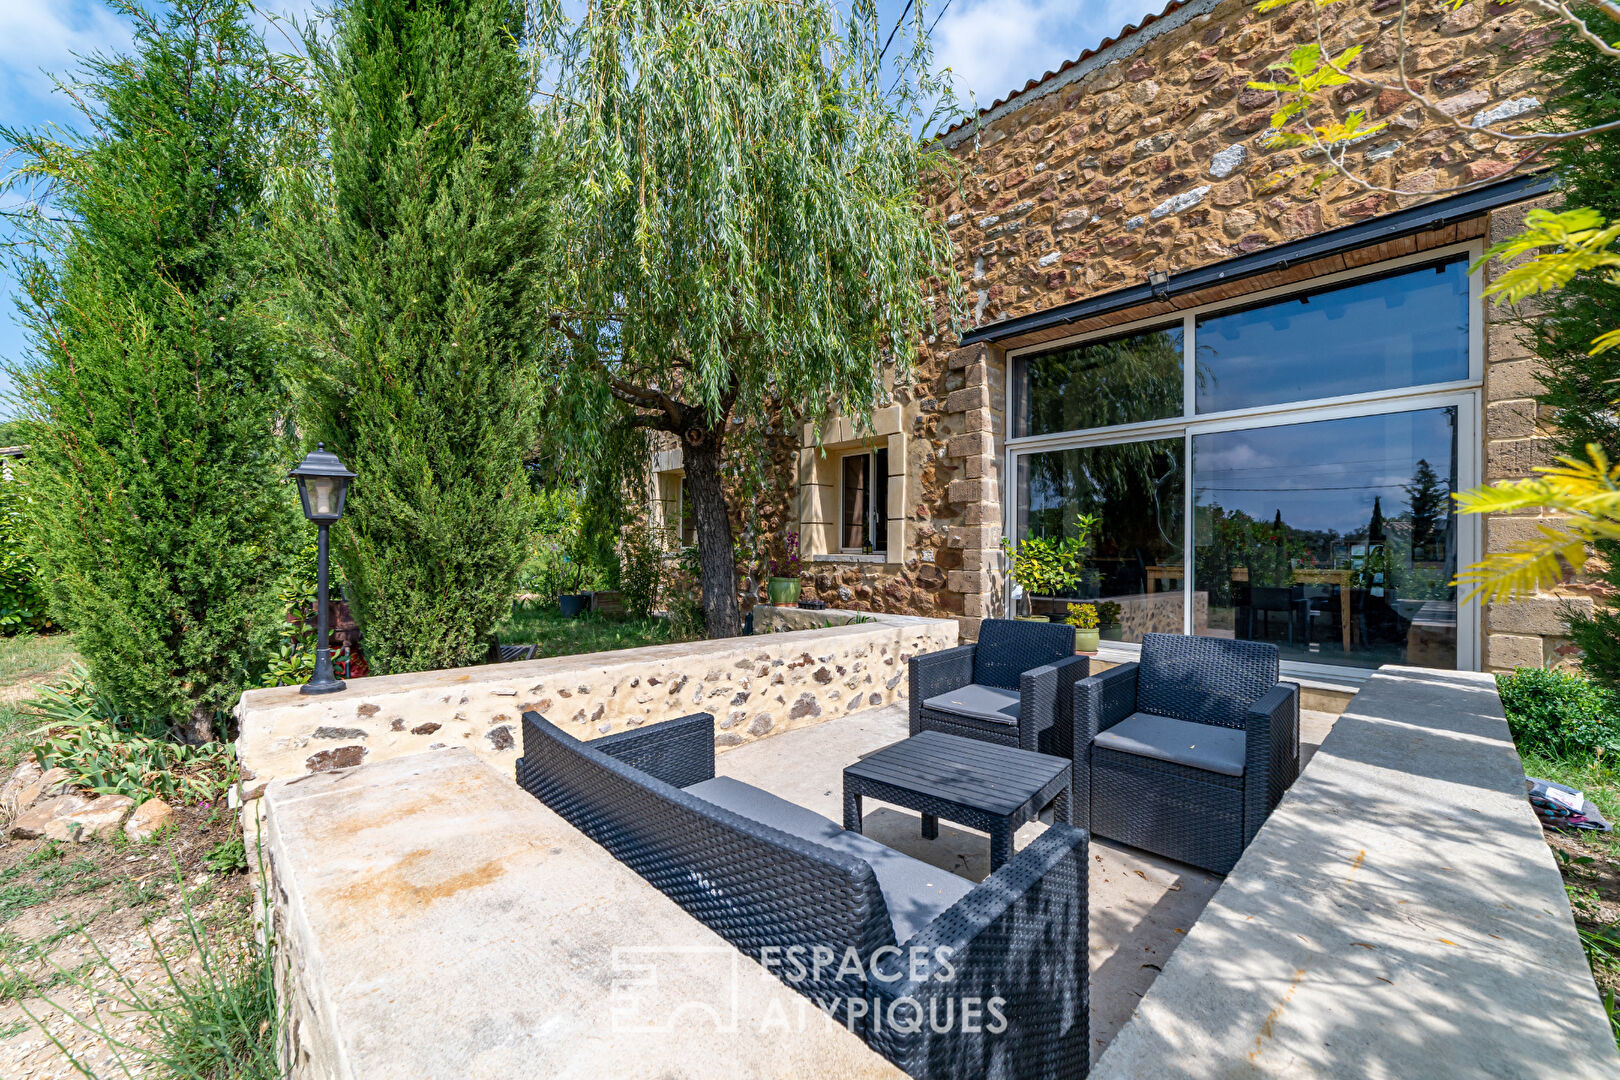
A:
(1103, 700)
(1100, 702)
(935, 673)
(1021, 937)
(679, 752)
(1046, 700)
(1271, 753)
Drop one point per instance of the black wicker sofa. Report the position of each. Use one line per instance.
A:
(777, 881)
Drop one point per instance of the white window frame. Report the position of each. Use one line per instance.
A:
(1463, 394)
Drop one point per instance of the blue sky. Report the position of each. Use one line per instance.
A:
(991, 47)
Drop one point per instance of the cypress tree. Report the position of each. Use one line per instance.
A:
(1579, 387)
(418, 247)
(1426, 501)
(159, 523)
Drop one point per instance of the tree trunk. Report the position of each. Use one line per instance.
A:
(701, 460)
(198, 728)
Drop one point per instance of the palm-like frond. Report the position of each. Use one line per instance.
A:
(1587, 492)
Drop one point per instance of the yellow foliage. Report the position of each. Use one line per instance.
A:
(1561, 245)
(1587, 492)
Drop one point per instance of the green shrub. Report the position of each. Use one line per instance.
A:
(22, 601)
(418, 312)
(682, 595)
(292, 661)
(1559, 714)
(159, 519)
(641, 563)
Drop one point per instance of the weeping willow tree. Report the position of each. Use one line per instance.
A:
(752, 232)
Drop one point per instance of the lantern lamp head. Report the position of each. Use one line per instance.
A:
(323, 484)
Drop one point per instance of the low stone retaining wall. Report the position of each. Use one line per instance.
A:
(1399, 915)
(755, 686)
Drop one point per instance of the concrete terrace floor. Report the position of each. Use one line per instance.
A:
(1140, 904)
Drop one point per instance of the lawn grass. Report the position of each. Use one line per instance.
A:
(29, 656)
(555, 635)
(45, 875)
(1598, 781)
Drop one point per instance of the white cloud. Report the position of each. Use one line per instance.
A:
(39, 38)
(993, 47)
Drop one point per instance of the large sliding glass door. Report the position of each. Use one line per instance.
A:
(1138, 491)
(1334, 538)
(1304, 449)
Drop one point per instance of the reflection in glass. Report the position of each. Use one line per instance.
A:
(1335, 539)
(1123, 380)
(1400, 330)
(1134, 569)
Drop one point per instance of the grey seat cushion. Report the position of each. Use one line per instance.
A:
(978, 702)
(1199, 746)
(915, 892)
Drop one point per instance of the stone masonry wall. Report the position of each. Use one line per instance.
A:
(1533, 632)
(754, 686)
(1156, 160)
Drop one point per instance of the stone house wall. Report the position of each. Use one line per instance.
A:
(1147, 154)
(1532, 632)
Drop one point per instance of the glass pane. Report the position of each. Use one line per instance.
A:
(1336, 539)
(877, 529)
(1133, 570)
(1402, 330)
(1101, 383)
(855, 506)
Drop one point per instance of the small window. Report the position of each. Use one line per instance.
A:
(676, 521)
(864, 497)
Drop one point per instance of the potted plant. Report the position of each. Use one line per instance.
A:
(1084, 619)
(573, 602)
(1108, 614)
(786, 585)
(1043, 566)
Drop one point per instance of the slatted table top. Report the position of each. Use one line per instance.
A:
(996, 779)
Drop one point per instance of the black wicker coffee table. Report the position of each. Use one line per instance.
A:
(981, 785)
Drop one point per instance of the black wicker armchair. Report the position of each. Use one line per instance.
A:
(779, 881)
(1012, 687)
(1186, 752)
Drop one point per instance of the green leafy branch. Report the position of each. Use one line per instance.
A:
(1563, 245)
(1588, 492)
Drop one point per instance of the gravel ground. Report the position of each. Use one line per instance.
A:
(62, 904)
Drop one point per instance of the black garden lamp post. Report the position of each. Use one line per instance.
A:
(323, 483)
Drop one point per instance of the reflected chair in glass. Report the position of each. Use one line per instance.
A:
(1014, 687)
(1265, 600)
(1318, 605)
(1186, 752)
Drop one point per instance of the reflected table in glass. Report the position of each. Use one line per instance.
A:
(1341, 578)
